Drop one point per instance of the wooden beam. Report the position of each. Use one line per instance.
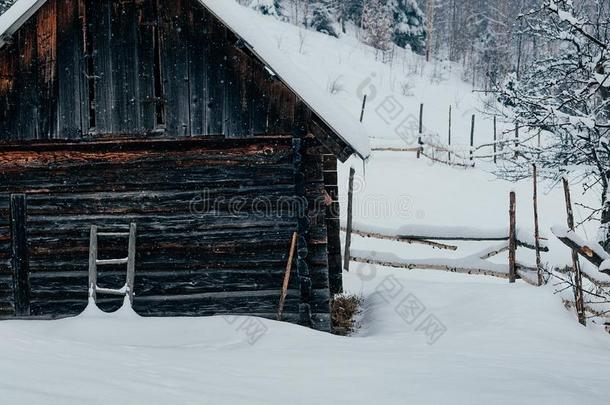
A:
(423, 266)
(19, 252)
(286, 282)
(401, 239)
(585, 251)
(350, 205)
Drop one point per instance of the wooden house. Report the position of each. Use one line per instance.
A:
(179, 116)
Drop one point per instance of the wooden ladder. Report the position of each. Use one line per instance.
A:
(130, 261)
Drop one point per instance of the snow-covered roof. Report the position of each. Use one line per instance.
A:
(238, 20)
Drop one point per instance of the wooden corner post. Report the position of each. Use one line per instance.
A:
(472, 137)
(350, 210)
(19, 255)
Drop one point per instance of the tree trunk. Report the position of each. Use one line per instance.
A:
(604, 229)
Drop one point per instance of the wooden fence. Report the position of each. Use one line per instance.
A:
(430, 145)
(510, 239)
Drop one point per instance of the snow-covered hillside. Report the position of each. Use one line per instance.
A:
(425, 337)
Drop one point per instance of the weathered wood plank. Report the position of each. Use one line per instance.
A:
(19, 252)
(27, 92)
(217, 72)
(46, 53)
(199, 43)
(99, 22)
(175, 66)
(72, 98)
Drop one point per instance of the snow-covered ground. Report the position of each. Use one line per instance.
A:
(425, 337)
(493, 344)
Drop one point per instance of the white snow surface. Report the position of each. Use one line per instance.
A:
(503, 345)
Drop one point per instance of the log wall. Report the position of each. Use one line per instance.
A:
(215, 219)
(119, 111)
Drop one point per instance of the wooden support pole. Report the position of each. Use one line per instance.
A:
(537, 227)
(19, 255)
(350, 207)
(131, 261)
(284, 293)
(495, 140)
(449, 141)
(578, 293)
(421, 130)
(93, 263)
(363, 108)
(516, 140)
(512, 239)
(472, 138)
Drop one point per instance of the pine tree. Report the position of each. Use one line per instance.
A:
(408, 25)
(322, 17)
(377, 23)
(266, 7)
(5, 4)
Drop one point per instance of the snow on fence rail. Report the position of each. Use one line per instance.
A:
(477, 263)
(427, 233)
(591, 251)
(429, 145)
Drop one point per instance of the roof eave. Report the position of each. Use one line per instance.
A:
(15, 17)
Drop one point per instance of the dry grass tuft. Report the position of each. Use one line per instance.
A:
(344, 308)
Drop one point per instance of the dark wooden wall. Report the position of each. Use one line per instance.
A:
(82, 68)
(192, 259)
(169, 103)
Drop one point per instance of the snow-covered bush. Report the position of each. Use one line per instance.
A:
(377, 22)
(322, 19)
(565, 94)
(266, 7)
(408, 25)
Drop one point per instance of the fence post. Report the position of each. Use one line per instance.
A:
(363, 108)
(495, 140)
(516, 140)
(348, 233)
(19, 255)
(421, 130)
(536, 227)
(512, 239)
(472, 139)
(449, 143)
(578, 293)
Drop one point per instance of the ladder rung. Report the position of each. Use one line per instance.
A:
(111, 261)
(113, 234)
(110, 291)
